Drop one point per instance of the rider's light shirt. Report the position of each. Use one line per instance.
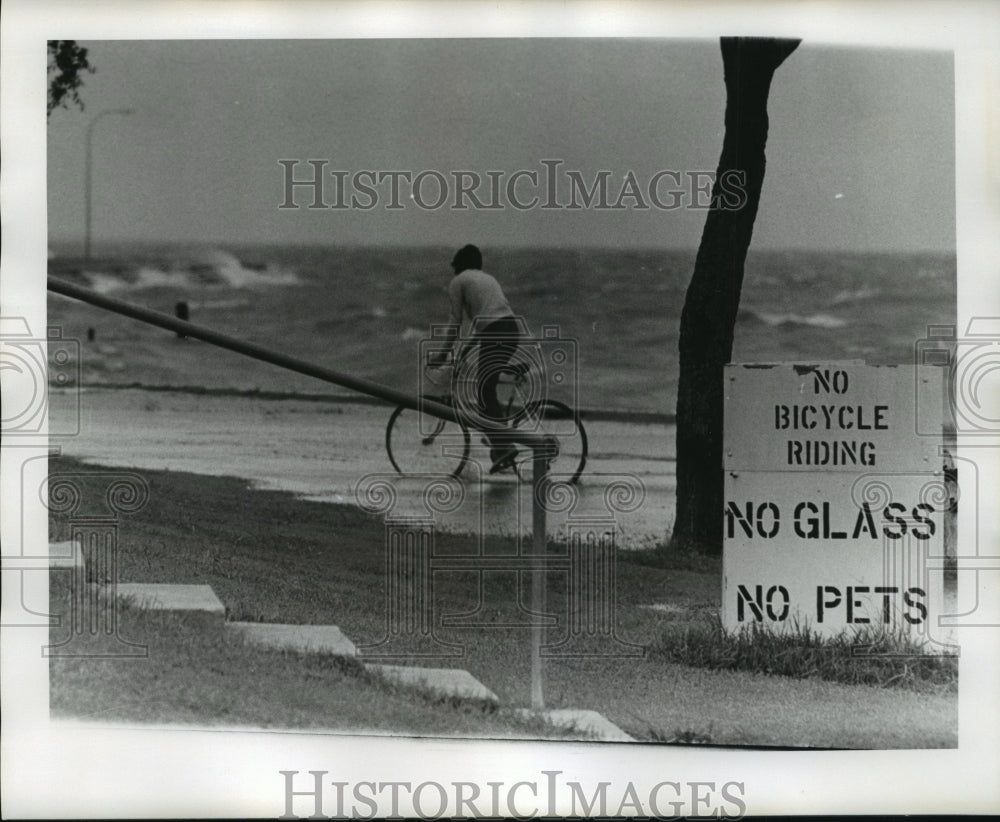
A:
(478, 296)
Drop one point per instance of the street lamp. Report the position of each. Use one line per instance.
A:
(125, 112)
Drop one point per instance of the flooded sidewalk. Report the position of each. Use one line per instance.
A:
(334, 451)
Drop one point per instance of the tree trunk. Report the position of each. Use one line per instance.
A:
(713, 295)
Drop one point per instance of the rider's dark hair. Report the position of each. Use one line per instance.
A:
(467, 256)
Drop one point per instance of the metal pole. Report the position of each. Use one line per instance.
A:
(372, 389)
(248, 349)
(88, 172)
(541, 454)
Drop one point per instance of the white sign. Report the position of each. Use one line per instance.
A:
(853, 540)
(842, 417)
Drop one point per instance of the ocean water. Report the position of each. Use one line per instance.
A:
(364, 311)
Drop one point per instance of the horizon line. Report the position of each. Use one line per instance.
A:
(356, 244)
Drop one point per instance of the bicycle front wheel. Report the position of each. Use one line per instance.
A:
(420, 443)
(560, 421)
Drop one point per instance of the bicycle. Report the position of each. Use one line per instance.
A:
(418, 442)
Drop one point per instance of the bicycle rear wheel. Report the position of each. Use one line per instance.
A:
(420, 443)
(562, 422)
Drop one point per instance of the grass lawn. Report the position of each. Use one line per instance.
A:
(203, 677)
(271, 557)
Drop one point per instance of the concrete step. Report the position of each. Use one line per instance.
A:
(588, 722)
(325, 639)
(198, 601)
(446, 681)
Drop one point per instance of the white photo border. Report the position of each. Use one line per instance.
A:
(72, 769)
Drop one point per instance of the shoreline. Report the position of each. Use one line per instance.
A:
(595, 414)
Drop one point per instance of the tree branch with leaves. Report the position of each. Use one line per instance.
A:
(67, 63)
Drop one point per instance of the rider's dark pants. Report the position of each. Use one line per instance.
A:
(497, 343)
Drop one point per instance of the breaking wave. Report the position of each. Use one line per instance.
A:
(778, 320)
(199, 269)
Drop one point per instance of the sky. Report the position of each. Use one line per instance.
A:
(860, 151)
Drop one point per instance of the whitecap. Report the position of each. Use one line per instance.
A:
(104, 283)
(150, 277)
(814, 320)
(866, 292)
(232, 272)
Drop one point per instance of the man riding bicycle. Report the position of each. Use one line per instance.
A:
(476, 295)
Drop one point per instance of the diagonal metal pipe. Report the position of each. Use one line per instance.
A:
(259, 352)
